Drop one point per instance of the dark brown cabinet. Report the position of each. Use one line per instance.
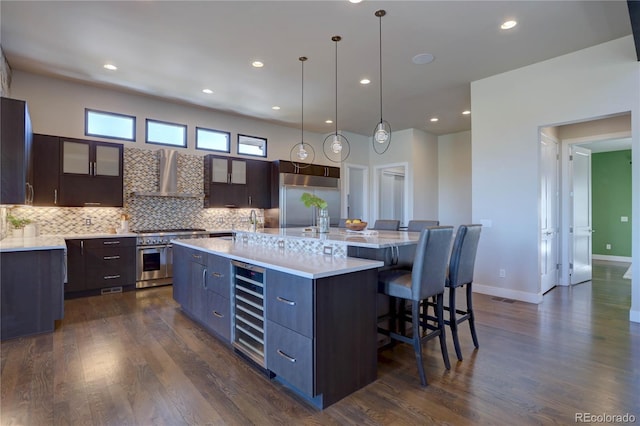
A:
(32, 291)
(15, 153)
(90, 173)
(46, 170)
(236, 182)
(284, 166)
(98, 263)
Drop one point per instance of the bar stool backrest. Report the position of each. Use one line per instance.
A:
(419, 225)
(387, 225)
(429, 270)
(463, 255)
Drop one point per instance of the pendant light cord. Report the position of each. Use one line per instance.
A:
(302, 59)
(380, 58)
(336, 39)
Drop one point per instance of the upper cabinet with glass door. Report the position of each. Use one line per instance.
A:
(91, 173)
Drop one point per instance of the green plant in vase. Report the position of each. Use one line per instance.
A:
(17, 222)
(322, 221)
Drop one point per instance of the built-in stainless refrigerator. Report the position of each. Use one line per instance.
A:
(293, 213)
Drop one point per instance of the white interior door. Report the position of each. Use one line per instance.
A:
(356, 194)
(580, 228)
(549, 204)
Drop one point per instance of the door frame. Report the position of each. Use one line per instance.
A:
(565, 149)
(556, 211)
(377, 173)
(347, 167)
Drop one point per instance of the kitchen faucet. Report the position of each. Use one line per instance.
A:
(253, 218)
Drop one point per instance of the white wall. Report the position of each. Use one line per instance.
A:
(507, 111)
(454, 179)
(57, 108)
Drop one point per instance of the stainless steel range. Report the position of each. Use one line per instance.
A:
(154, 258)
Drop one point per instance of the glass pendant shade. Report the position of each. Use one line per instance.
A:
(381, 135)
(336, 146)
(302, 153)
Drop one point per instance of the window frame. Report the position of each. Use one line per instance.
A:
(240, 135)
(151, 120)
(87, 111)
(228, 150)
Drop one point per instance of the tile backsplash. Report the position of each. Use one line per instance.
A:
(145, 212)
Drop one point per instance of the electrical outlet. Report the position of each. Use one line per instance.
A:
(608, 246)
(87, 221)
(502, 273)
(624, 218)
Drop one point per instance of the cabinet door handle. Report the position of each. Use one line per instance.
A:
(249, 199)
(91, 204)
(196, 256)
(204, 278)
(285, 356)
(55, 196)
(217, 274)
(110, 242)
(287, 301)
(110, 257)
(218, 314)
(82, 248)
(111, 277)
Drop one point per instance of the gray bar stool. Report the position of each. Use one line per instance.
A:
(461, 266)
(419, 225)
(387, 225)
(426, 279)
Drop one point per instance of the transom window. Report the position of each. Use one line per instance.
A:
(213, 140)
(252, 145)
(109, 125)
(164, 133)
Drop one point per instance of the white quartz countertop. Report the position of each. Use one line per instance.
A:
(51, 242)
(97, 235)
(371, 239)
(296, 263)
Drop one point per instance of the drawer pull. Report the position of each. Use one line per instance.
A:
(288, 302)
(218, 314)
(196, 256)
(111, 277)
(110, 257)
(285, 356)
(217, 274)
(107, 243)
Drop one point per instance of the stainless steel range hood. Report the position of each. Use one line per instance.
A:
(168, 177)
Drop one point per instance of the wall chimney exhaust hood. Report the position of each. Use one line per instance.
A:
(168, 177)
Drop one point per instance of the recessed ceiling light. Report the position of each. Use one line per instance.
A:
(257, 64)
(207, 91)
(434, 119)
(507, 25)
(355, 1)
(329, 121)
(365, 81)
(467, 112)
(275, 107)
(110, 67)
(422, 58)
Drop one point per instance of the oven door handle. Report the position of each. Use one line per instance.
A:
(161, 246)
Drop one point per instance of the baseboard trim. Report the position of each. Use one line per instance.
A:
(522, 296)
(611, 258)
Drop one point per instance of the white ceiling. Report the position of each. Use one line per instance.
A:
(174, 49)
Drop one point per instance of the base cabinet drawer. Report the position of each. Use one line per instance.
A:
(290, 356)
(217, 315)
(290, 301)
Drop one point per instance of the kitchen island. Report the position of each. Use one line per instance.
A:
(296, 303)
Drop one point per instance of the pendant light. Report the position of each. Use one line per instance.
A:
(336, 146)
(382, 132)
(302, 154)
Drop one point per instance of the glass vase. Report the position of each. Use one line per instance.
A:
(323, 221)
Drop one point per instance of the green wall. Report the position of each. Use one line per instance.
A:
(611, 192)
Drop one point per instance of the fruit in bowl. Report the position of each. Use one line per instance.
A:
(355, 224)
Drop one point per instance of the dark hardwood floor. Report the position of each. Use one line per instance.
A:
(135, 359)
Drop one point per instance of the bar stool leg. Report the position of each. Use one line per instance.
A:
(472, 323)
(453, 322)
(443, 341)
(417, 341)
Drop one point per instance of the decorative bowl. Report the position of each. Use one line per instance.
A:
(356, 226)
